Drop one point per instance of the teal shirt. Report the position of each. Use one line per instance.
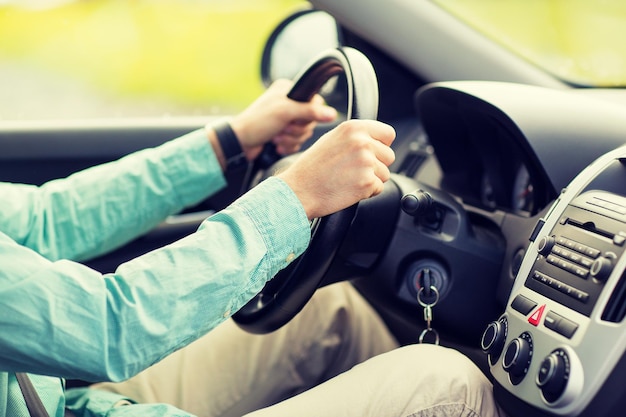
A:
(63, 319)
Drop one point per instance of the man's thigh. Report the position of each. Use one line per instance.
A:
(230, 372)
(412, 381)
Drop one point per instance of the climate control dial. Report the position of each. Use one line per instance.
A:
(492, 341)
(553, 375)
(517, 357)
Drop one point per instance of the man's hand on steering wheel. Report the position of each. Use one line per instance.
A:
(274, 117)
(344, 166)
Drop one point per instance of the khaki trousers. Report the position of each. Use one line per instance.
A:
(230, 372)
(411, 381)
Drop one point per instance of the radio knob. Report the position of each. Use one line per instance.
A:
(545, 245)
(553, 375)
(601, 268)
(517, 357)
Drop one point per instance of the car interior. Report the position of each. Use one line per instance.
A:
(501, 232)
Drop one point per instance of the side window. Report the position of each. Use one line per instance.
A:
(64, 59)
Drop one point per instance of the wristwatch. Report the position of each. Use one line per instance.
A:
(231, 148)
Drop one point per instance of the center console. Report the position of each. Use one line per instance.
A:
(559, 347)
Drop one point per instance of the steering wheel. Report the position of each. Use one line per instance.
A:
(289, 291)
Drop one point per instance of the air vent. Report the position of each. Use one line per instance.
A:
(412, 162)
(615, 309)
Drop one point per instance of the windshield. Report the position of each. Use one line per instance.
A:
(579, 41)
(73, 59)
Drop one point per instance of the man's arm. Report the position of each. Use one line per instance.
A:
(101, 208)
(62, 318)
(98, 209)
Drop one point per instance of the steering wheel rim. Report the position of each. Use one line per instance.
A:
(289, 291)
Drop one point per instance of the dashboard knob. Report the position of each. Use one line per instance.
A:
(494, 336)
(517, 357)
(601, 268)
(545, 245)
(553, 375)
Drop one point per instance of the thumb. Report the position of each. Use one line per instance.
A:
(314, 111)
(326, 114)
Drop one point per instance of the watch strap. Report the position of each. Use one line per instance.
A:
(231, 148)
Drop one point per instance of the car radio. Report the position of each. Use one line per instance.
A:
(575, 260)
(559, 348)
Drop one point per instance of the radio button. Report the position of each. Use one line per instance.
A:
(591, 252)
(560, 286)
(580, 296)
(586, 262)
(567, 266)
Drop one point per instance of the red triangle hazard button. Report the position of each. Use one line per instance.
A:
(535, 318)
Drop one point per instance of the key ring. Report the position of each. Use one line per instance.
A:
(427, 331)
(428, 315)
(424, 304)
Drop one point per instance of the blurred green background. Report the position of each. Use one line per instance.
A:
(581, 41)
(192, 55)
(93, 58)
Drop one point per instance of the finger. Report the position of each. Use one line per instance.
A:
(287, 150)
(384, 153)
(298, 128)
(377, 187)
(318, 99)
(286, 144)
(291, 140)
(281, 86)
(382, 172)
(377, 191)
(312, 112)
(382, 132)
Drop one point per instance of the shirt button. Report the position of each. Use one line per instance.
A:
(290, 257)
(226, 314)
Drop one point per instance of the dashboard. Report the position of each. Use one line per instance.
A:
(559, 346)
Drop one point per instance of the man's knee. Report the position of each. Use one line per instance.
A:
(438, 363)
(337, 308)
(435, 375)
